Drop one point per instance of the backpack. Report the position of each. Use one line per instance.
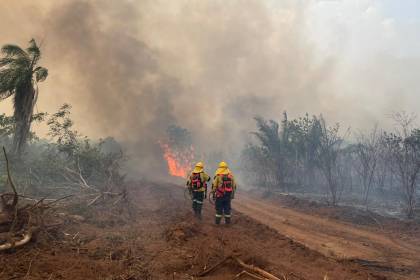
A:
(196, 181)
(226, 186)
(227, 183)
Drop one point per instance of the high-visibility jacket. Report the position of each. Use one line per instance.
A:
(203, 178)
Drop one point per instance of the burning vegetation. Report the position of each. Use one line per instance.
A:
(179, 161)
(178, 151)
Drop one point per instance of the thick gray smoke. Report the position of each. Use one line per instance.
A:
(132, 68)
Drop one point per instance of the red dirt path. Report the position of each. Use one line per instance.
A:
(164, 241)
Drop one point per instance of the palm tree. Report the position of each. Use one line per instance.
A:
(19, 75)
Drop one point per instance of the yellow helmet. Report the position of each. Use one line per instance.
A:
(199, 167)
(223, 164)
(223, 169)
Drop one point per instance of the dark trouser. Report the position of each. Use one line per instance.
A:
(223, 208)
(197, 202)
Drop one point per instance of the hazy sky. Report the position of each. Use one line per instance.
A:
(132, 67)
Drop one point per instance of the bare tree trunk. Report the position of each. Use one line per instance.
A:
(24, 105)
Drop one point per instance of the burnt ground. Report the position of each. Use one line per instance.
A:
(164, 241)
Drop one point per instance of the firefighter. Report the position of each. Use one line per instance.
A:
(197, 186)
(223, 190)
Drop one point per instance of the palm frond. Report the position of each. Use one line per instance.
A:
(13, 77)
(41, 74)
(7, 83)
(34, 51)
(15, 62)
(7, 80)
(6, 60)
(13, 50)
(5, 94)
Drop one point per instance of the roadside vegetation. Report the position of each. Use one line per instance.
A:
(307, 155)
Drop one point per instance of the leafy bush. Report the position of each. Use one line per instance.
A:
(66, 163)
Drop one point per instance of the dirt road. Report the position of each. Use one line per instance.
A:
(333, 238)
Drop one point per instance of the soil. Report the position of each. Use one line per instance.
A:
(163, 240)
(383, 249)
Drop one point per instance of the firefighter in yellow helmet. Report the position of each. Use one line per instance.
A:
(223, 189)
(197, 186)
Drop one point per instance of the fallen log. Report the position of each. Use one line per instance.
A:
(9, 245)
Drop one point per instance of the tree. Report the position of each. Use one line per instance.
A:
(404, 149)
(258, 168)
(367, 152)
(304, 135)
(61, 130)
(19, 76)
(329, 155)
(7, 125)
(270, 137)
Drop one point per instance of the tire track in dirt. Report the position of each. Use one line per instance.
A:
(332, 238)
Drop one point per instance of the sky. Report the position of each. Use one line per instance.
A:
(406, 10)
(130, 68)
(369, 27)
(377, 47)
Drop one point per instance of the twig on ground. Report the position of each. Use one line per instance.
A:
(375, 220)
(207, 271)
(30, 265)
(249, 268)
(94, 200)
(244, 272)
(256, 270)
(59, 199)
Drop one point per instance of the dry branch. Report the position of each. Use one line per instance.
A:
(256, 270)
(248, 274)
(75, 178)
(207, 271)
(94, 200)
(9, 177)
(13, 207)
(250, 269)
(20, 218)
(82, 181)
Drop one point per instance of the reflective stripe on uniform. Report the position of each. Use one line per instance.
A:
(218, 216)
(227, 216)
(199, 202)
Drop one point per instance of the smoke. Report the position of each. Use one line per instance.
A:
(132, 68)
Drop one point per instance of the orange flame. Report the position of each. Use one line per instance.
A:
(179, 162)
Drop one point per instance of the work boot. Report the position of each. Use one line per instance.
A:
(218, 219)
(227, 220)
